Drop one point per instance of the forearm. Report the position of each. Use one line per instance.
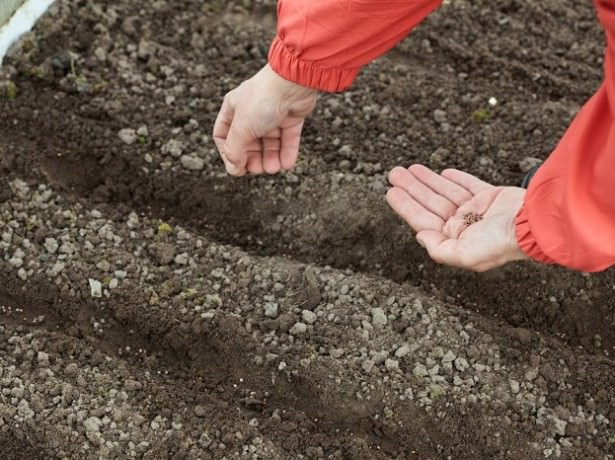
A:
(324, 44)
(569, 212)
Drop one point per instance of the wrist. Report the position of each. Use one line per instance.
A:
(284, 89)
(515, 250)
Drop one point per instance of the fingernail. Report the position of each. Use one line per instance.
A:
(420, 243)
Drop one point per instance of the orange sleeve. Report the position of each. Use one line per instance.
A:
(569, 213)
(322, 44)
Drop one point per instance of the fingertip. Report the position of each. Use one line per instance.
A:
(235, 172)
(394, 195)
(255, 164)
(420, 241)
(271, 162)
(448, 172)
(396, 174)
(288, 160)
(418, 168)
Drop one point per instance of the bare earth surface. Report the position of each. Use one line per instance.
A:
(151, 307)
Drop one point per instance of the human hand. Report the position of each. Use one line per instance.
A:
(258, 128)
(460, 220)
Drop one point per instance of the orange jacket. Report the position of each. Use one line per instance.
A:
(568, 217)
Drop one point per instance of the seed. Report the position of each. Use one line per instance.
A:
(471, 218)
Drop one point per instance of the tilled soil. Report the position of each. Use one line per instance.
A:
(151, 307)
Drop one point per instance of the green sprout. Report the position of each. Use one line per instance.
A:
(11, 90)
(481, 115)
(164, 228)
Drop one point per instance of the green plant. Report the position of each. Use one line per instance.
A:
(481, 115)
(11, 90)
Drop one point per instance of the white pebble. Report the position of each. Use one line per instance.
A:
(309, 316)
(127, 136)
(95, 288)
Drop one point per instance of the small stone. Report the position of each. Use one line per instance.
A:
(95, 288)
(531, 374)
(163, 253)
(113, 283)
(298, 329)
(493, 101)
(127, 136)
(43, 359)
(22, 274)
(420, 370)
(51, 245)
(133, 385)
(336, 353)
(560, 426)
(55, 269)
(402, 351)
(439, 116)
(174, 148)
(523, 335)
(200, 411)
(379, 318)
(391, 365)
(367, 365)
(308, 316)
(380, 357)
(286, 322)
(71, 370)
(514, 386)
(181, 259)
(461, 364)
(93, 424)
(16, 261)
(143, 131)
(271, 310)
(192, 162)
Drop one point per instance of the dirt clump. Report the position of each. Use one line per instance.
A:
(152, 307)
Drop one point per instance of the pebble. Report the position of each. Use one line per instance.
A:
(298, 329)
(95, 288)
(192, 162)
(127, 135)
(391, 365)
(56, 269)
(51, 245)
(439, 116)
(182, 259)
(174, 148)
(16, 261)
(163, 253)
(71, 369)
(271, 310)
(43, 359)
(379, 318)
(514, 386)
(308, 316)
(461, 364)
(402, 351)
(93, 424)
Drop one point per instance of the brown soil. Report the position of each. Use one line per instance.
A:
(264, 389)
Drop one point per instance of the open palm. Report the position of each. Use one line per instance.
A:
(460, 220)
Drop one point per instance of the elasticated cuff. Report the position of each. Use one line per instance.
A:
(306, 73)
(526, 239)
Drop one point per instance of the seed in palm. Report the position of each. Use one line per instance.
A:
(471, 218)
